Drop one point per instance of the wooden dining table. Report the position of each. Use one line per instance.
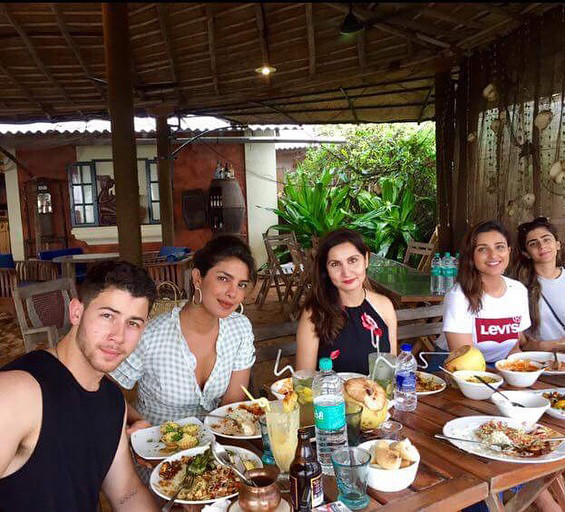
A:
(448, 478)
(406, 286)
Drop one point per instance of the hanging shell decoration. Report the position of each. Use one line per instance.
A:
(529, 199)
(495, 125)
(543, 119)
(511, 208)
(555, 169)
(559, 178)
(489, 92)
(472, 137)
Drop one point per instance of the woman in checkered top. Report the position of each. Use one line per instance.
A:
(197, 357)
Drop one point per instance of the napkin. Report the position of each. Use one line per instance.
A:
(218, 506)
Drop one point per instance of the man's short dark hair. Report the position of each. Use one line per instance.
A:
(118, 274)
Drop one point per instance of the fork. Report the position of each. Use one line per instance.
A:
(514, 404)
(187, 482)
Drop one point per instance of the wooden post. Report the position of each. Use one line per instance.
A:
(120, 103)
(165, 164)
(445, 131)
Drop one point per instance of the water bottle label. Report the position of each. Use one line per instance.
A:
(406, 381)
(436, 271)
(329, 417)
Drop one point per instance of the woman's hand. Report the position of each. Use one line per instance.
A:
(137, 425)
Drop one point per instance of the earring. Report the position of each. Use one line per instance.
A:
(196, 289)
(241, 306)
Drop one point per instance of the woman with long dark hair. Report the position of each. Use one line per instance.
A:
(540, 268)
(341, 312)
(485, 308)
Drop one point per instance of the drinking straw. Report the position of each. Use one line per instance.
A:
(276, 370)
(261, 402)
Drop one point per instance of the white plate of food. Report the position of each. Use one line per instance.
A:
(556, 397)
(239, 420)
(161, 441)
(429, 384)
(499, 429)
(281, 387)
(216, 482)
(543, 357)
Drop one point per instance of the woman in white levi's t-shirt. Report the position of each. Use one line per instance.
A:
(485, 308)
(540, 268)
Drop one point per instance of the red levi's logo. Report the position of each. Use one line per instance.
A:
(498, 330)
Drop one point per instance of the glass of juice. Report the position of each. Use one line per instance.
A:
(302, 384)
(283, 435)
(382, 367)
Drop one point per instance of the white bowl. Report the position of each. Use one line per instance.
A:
(519, 379)
(476, 390)
(535, 405)
(389, 480)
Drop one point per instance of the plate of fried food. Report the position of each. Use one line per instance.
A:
(556, 397)
(545, 358)
(505, 439)
(161, 441)
(239, 420)
(429, 384)
(209, 481)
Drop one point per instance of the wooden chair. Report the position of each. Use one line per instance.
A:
(43, 311)
(423, 325)
(418, 248)
(8, 281)
(173, 271)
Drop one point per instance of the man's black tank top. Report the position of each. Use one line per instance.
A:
(354, 340)
(79, 436)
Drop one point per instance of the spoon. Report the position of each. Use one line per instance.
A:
(515, 404)
(556, 360)
(222, 457)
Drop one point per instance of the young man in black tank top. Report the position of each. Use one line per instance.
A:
(61, 420)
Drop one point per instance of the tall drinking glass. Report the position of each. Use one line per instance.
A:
(283, 436)
(302, 384)
(382, 367)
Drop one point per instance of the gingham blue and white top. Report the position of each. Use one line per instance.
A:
(164, 366)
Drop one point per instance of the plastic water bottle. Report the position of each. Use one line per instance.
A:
(448, 271)
(405, 398)
(329, 414)
(436, 279)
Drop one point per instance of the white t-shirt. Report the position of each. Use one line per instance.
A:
(497, 325)
(554, 291)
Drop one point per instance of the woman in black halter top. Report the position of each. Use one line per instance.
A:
(341, 317)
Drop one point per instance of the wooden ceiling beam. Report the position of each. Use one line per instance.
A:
(362, 50)
(263, 39)
(212, 50)
(5, 71)
(350, 104)
(33, 52)
(450, 18)
(166, 35)
(74, 46)
(276, 109)
(311, 41)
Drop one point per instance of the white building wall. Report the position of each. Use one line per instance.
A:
(14, 208)
(261, 185)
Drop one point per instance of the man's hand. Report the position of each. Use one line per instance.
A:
(137, 425)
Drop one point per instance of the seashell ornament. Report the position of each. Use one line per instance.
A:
(543, 119)
(559, 178)
(529, 199)
(489, 92)
(472, 137)
(495, 125)
(555, 169)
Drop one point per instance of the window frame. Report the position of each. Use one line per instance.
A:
(148, 163)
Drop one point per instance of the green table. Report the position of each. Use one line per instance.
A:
(405, 285)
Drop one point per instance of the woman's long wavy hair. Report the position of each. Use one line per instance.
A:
(469, 278)
(323, 300)
(524, 266)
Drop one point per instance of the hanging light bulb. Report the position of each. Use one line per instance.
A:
(351, 24)
(265, 70)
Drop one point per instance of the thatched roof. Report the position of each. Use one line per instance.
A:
(202, 57)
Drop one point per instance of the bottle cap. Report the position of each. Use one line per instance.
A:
(437, 254)
(325, 364)
(406, 347)
(448, 254)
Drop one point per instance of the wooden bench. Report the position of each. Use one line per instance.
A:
(423, 325)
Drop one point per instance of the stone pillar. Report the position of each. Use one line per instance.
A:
(261, 186)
